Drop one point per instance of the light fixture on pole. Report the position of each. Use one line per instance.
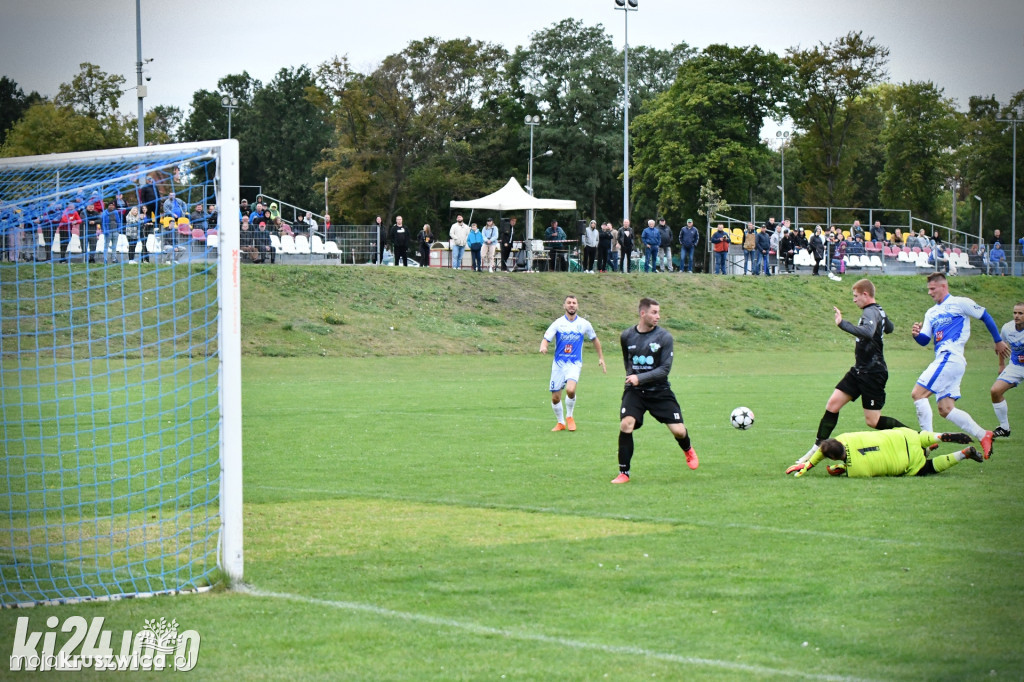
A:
(1013, 195)
(531, 121)
(981, 221)
(229, 103)
(783, 137)
(626, 6)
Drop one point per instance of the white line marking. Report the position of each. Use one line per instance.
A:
(486, 630)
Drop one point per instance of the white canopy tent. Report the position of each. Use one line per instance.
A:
(512, 197)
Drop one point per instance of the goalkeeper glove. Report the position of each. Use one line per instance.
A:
(799, 469)
(837, 470)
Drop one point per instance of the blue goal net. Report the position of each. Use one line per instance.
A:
(112, 373)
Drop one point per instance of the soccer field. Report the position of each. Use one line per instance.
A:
(415, 519)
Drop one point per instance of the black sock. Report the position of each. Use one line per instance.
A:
(625, 451)
(826, 425)
(889, 423)
(684, 442)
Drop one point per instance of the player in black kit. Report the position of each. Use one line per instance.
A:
(866, 379)
(647, 354)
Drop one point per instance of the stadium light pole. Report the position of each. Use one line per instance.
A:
(229, 103)
(981, 220)
(783, 136)
(140, 89)
(533, 122)
(1013, 195)
(626, 6)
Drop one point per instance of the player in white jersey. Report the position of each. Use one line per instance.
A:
(568, 333)
(948, 323)
(1009, 374)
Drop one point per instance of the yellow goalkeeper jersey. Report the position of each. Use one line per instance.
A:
(890, 452)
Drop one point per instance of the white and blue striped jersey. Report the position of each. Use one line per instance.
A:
(1016, 341)
(568, 337)
(948, 323)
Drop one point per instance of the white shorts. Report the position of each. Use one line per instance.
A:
(1012, 374)
(943, 376)
(563, 373)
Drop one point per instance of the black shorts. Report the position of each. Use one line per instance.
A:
(660, 402)
(868, 386)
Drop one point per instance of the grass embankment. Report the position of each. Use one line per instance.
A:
(296, 311)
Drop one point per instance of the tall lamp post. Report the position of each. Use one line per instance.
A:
(533, 122)
(626, 6)
(140, 89)
(1013, 193)
(783, 136)
(981, 221)
(229, 103)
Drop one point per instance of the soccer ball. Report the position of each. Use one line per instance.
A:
(741, 418)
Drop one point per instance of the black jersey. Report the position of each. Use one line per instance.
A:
(648, 355)
(873, 326)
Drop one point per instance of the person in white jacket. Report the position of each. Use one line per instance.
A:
(458, 233)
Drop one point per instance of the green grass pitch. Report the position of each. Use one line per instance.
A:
(413, 518)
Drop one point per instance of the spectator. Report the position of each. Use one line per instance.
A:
(763, 244)
(475, 242)
(425, 238)
(773, 250)
(198, 216)
(665, 250)
(604, 246)
(856, 247)
(878, 232)
(689, 237)
(93, 216)
(720, 240)
(651, 237)
(856, 231)
(616, 249)
(458, 233)
(327, 227)
(939, 258)
(817, 249)
(399, 238)
(799, 238)
(148, 200)
(490, 236)
(380, 237)
(591, 242)
(505, 237)
(247, 241)
(553, 235)
(997, 260)
(133, 231)
(787, 249)
(174, 207)
(750, 250)
(897, 238)
(211, 217)
(264, 247)
(770, 225)
(281, 227)
(275, 212)
(243, 208)
(111, 224)
(627, 245)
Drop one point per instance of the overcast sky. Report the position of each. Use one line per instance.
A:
(964, 48)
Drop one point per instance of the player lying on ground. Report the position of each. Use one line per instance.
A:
(895, 452)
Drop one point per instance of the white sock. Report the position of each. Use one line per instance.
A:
(1002, 414)
(570, 403)
(966, 423)
(924, 414)
(960, 456)
(557, 407)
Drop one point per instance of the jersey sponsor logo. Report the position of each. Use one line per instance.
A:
(643, 360)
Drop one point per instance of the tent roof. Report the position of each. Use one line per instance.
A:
(513, 197)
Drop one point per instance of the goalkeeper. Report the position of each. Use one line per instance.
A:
(893, 452)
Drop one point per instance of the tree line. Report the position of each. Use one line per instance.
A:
(443, 120)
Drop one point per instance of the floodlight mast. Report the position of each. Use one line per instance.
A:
(626, 6)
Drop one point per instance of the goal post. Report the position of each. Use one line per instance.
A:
(120, 373)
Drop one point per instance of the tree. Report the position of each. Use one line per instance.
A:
(208, 119)
(162, 124)
(49, 129)
(921, 127)
(92, 92)
(829, 83)
(13, 104)
(706, 128)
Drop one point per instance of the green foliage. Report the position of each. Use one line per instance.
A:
(13, 104)
(47, 129)
(921, 128)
